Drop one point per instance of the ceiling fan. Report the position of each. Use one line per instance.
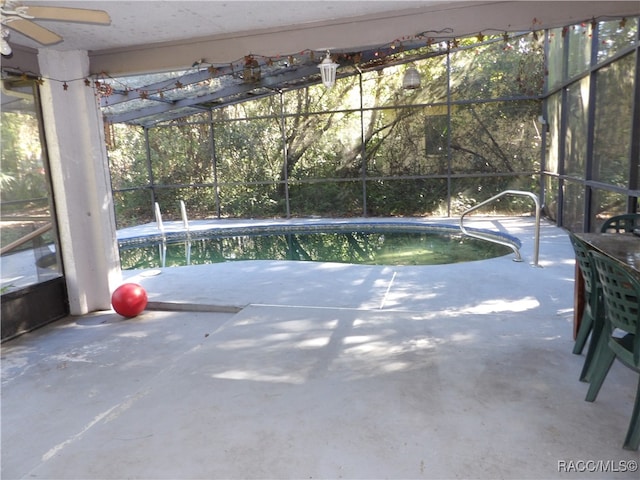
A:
(22, 18)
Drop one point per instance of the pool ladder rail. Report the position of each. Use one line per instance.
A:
(183, 213)
(185, 223)
(516, 250)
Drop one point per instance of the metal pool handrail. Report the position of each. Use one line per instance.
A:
(159, 223)
(185, 219)
(515, 249)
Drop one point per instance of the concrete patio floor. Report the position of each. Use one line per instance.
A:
(266, 369)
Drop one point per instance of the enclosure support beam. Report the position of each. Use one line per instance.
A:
(81, 182)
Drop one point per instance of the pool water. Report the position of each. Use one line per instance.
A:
(365, 248)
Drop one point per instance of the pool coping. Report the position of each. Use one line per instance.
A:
(175, 232)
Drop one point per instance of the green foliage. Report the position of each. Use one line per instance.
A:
(505, 68)
(314, 149)
(404, 197)
(613, 121)
(497, 137)
(133, 207)
(341, 199)
(23, 175)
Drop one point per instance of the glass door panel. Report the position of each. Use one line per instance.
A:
(29, 253)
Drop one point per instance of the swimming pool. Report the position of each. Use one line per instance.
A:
(378, 243)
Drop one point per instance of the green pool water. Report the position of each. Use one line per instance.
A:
(364, 248)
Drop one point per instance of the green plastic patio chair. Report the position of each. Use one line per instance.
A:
(621, 293)
(624, 223)
(592, 320)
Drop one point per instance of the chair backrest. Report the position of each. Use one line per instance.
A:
(583, 258)
(625, 223)
(621, 293)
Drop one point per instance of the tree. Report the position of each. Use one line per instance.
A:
(317, 151)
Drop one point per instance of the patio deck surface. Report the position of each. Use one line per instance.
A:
(274, 369)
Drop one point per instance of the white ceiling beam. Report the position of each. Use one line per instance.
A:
(451, 19)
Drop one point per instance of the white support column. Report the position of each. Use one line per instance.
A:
(81, 183)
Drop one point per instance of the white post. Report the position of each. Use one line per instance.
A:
(81, 183)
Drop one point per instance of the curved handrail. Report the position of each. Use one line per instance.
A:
(26, 238)
(515, 249)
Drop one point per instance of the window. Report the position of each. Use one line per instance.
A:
(29, 243)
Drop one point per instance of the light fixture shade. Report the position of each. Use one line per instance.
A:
(5, 48)
(411, 79)
(328, 71)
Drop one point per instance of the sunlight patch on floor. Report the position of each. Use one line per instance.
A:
(502, 305)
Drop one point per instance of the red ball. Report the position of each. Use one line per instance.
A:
(129, 299)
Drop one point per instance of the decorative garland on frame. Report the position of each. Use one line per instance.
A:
(103, 83)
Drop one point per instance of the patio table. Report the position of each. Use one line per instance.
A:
(622, 247)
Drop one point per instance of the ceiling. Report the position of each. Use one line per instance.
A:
(273, 27)
(172, 35)
(139, 22)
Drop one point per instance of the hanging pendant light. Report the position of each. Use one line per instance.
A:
(5, 48)
(411, 79)
(328, 69)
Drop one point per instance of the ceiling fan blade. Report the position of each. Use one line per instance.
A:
(78, 15)
(34, 31)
